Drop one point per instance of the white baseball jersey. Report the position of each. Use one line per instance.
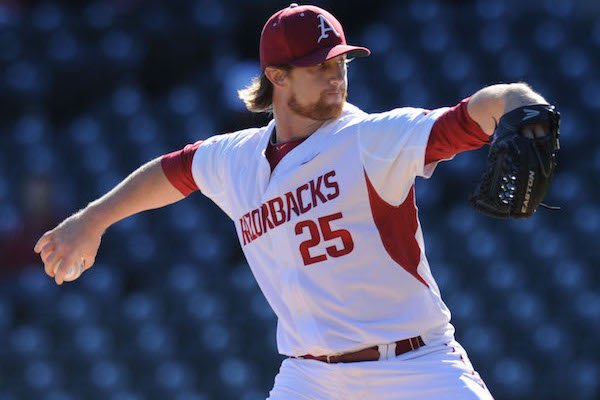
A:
(332, 233)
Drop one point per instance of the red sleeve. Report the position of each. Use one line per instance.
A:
(453, 132)
(177, 167)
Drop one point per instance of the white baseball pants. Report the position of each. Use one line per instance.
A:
(432, 372)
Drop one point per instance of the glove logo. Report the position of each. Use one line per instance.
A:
(530, 113)
(528, 192)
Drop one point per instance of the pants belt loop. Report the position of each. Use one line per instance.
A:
(387, 351)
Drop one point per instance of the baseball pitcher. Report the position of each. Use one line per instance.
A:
(323, 201)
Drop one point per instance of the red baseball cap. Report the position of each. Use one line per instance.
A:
(302, 36)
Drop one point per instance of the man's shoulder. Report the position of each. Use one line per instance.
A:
(354, 113)
(238, 138)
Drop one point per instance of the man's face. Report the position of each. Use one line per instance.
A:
(319, 92)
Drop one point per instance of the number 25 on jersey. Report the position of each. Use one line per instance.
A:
(321, 230)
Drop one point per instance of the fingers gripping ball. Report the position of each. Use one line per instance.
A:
(74, 271)
(519, 167)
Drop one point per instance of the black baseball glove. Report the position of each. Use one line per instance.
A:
(519, 169)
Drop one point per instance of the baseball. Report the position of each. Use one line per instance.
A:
(74, 272)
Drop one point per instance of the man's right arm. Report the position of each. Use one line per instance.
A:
(78, 237)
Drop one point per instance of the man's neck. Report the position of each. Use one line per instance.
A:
(291, 126)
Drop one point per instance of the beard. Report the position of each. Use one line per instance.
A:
(320, 110)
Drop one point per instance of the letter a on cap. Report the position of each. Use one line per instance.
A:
(325, 29)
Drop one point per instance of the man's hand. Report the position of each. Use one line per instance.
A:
(534, 131)
(74, 242)
(521, 162)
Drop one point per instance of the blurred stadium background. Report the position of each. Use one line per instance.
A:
(89, 90)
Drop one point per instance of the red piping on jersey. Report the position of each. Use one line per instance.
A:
(397, 227)
(177, 167)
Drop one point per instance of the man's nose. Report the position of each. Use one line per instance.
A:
(338, 75)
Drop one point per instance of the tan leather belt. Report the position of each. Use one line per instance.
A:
(370, 353)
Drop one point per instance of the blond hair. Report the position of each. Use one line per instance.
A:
(258, 95)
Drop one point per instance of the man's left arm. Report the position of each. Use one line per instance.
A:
(469, 124)
(490, 103)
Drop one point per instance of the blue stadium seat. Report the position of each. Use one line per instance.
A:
(574, 63)
(31, 129)
(174, 377)
(105, 281)
(457, 66)
(551, 338)
(127, 395)
(235, 373)
(589, 94)
(184, 100)
(380, 36)
(92, 341)
(47, 17)
(85, 130)
(549, 35)
(216, 337)
(191, 395)
(559, 8)
(11, 43)
(464, 305)
(514, 376)
(435, 37)
(184, 217)
(493, 37)
(570, 275)
(400, 66)
(121, 47)
(483, 341)
(141, 307)
(211, 14)
(183, 279)
(526, 308)
(587, 218)
(204, 306)
(515, 65)
(141, 247)
(490, 9)
(261, 308)
(42, 375)
(238, 74)
(57, 395)
(108, 375)
(505, 276)
(481, 243)
(425, 11)
(154, 341)
(198, 126)
(586, 377)
(126, 101)
(63, 47)
(546, 244)
(75, 307)
(29, 340)
(142, 129)
(586, 304)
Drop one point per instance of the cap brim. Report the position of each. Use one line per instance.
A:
(322, 55)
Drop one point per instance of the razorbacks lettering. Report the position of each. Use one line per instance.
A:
(278, 210)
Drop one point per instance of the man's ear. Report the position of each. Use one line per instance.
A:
(276, 76)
